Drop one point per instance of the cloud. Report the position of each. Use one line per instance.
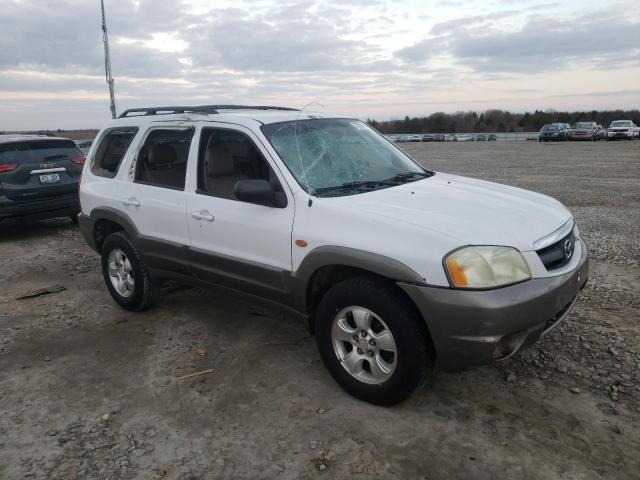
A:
(67, 34)
(363, 54)
(419, 52)
(546, 44)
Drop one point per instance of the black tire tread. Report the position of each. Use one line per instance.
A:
(150, 291)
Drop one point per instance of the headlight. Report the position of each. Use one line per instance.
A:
(486, 267)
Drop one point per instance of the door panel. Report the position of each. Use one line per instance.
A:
(160, 216)
(157, 202)
(246, 246)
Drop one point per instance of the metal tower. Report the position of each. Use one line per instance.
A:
(107, 63)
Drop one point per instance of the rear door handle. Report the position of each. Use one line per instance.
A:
(203, 215)
(131, 202)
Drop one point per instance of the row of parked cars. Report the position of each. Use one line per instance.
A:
(444, 137)
(618, 130)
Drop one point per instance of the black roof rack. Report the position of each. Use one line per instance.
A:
(206, 109)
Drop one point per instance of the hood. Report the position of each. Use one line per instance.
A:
(469, 211)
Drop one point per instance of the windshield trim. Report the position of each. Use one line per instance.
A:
(424, 173)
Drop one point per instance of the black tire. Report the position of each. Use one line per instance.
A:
(74, 219)
(145, 293)
(415, 353)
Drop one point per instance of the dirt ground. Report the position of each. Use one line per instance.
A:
(88, 390)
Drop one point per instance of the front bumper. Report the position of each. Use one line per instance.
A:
(46, 207)
(477, 327)
(582, 136)
(551, 136)
(625, 135)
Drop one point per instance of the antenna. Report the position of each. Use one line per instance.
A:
(107, 63)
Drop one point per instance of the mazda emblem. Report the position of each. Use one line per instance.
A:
(568, 248)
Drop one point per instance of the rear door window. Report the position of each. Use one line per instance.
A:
(162, 160)
(111, 150)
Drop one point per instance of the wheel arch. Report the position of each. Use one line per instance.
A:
(107, 221)
(324, 267)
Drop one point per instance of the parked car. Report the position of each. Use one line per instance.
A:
(464, 137)
(554, 132)
(492, 138)
(480, 138)
(438, 137)
(450, 138)
(394, 266)
(601, 133)
(584, 131)
(83, 143)
(622, 130)
(39, 176)
(415, 138)
(427, 138)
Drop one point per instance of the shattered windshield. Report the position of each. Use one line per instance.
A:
(340, 156)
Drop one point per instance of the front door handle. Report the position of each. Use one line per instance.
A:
(202, 215)
(131, 202)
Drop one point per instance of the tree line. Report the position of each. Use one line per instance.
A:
(498, 121)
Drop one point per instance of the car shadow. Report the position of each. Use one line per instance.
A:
(16, 229)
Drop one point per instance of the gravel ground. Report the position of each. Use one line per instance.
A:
(88, 390)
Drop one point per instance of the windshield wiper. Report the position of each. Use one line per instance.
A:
(402, 177)
(368, 184)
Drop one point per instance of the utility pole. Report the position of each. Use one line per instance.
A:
(107, 63)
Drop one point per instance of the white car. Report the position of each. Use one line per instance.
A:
(622, 129)
(465, 137)
(394, 266)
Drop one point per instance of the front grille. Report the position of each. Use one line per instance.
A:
(558, 254)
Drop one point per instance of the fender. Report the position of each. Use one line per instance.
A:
(87, 224)
(160, 256)
(334, 255)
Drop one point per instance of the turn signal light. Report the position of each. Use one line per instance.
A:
(7, 167)
(458, 277)
(79, 160)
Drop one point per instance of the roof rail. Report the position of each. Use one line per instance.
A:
(205, 109)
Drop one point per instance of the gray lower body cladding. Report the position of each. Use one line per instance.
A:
(478, 327)
(466, 326)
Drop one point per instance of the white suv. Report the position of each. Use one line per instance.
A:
(395, 267)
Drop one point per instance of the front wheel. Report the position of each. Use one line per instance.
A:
(125, 274)
(372, 340)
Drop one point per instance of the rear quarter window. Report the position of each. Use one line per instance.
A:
(112, 148)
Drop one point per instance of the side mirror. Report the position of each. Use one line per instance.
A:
(260, 192)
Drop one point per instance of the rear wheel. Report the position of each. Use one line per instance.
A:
(125, 274)
(372, 340)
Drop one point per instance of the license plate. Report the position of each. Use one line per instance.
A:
(50, 178)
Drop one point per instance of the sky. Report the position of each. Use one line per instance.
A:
(377, 59)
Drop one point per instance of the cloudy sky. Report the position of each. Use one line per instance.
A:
(368, 58)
